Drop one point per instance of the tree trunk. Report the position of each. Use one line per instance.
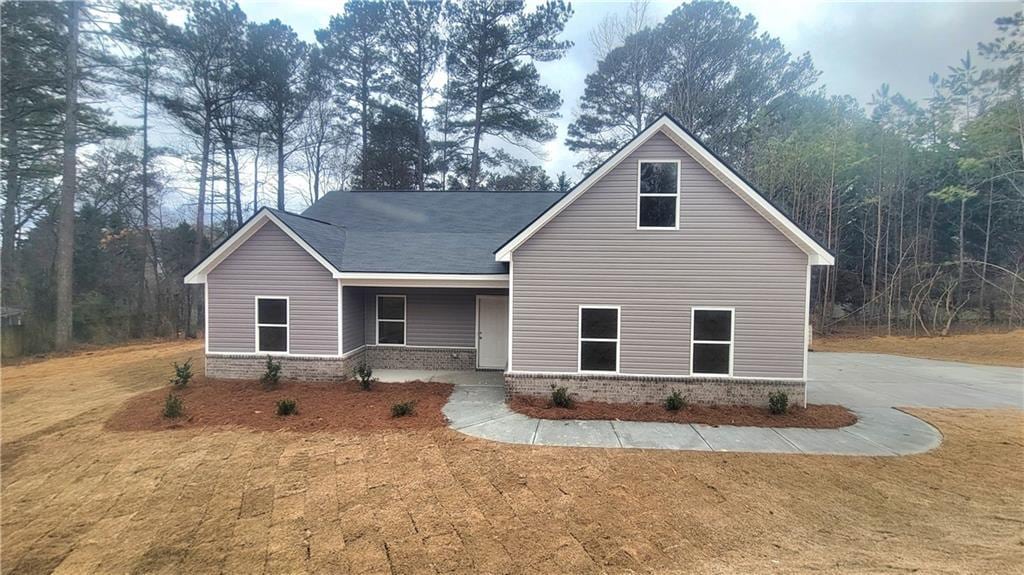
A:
(149, 284)
(256, 176)
(66, 219)
(984, 255)
(960, 263)
(420, 180)
(8, 271)
(197, 249)
(474, 166)
(238, 189)
(280, 168)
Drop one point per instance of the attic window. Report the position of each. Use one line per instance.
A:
(658, 191)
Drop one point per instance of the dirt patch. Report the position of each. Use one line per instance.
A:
(813, 416)
(321, 406)
(981, 348)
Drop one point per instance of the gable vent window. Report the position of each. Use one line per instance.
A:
(599, 339)
(658, 203)
(711, 341)
(391, 320)
(272, 324)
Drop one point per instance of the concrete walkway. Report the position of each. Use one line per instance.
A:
(479, 410)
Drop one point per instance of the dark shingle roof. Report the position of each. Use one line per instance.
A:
(416, 232)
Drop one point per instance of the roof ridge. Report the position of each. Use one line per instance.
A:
(447, 191)
(287, 213)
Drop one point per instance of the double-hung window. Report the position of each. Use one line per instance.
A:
(391, 320)
(658, 195)
(599, 338)
(272, 324)
(711, 339)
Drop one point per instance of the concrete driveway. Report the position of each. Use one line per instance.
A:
(859, 380)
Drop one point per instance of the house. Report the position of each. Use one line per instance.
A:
(663, 269)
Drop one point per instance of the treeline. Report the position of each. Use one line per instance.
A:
(921, 202)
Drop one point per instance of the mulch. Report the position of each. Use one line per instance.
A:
(813, 416)
(321, 406)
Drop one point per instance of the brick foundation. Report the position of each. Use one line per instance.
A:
(634, 389)
(298, 368)
(434, 358)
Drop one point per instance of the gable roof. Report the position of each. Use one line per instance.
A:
(352, 233)
(817, 254)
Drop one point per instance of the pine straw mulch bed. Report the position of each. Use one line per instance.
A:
(321, 406)
(813, 416)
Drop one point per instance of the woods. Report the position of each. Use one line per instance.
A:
(920, 201)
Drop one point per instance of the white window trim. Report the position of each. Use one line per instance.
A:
(731, 343)
(286, 325)
(404, 320)
(679, 184)
(580, 339)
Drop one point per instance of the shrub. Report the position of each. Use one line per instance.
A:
(173, 406)
(364, 374)
(286, 407)
(182, 373)
(272, 375)
(403, 409)
(675, 401)
(560, 397)
(778, 402)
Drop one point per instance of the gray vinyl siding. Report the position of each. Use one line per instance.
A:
(724, 255)
(441, 317)
(271, 264)
(353, 318)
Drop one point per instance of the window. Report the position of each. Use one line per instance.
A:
(272, 324)
(658, 203)
(711, 341)
(391, 320)
(599, 338)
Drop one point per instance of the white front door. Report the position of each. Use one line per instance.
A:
(492, 331)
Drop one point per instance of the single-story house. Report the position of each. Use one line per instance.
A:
(663, 269)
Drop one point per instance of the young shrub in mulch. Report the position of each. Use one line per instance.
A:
(182, 374)
(778, 402)
(173, 406)
(560, 397)
(272, 376)
(675, 401)
(402, 409)
(287, 407)
(364, 373)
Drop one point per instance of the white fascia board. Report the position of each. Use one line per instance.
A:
(424, 280)
(817, 254)
(199, 273)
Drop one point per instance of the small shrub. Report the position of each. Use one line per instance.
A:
(173, 406)
(403, 409)
(675, 401)
(560, 397)
(286, 407)
(778, 402)
(182, 373)
(272, 376)
(364, 374)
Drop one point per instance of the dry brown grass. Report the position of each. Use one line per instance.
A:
(79, 499)
(982, 348)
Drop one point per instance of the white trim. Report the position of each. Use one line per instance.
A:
(275, 354)
(287, 324)
(818, 254)
(807, 324)
(206, 317)
(377, 319)
(353, 352)
(200, 272)
(498, 281)
(476, 343)
(580, 339)
(731, 343)
(510, 290)
(640, 196)
(657, 375)
(341, 303)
